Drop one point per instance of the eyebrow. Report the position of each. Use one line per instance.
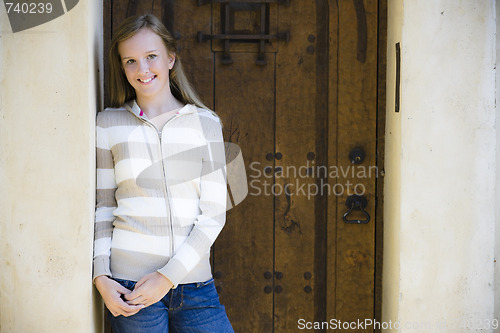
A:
(123, 58)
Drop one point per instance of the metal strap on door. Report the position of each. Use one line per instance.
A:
(228, 35)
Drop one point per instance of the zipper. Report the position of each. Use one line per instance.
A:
(172, 245)
(167, 192)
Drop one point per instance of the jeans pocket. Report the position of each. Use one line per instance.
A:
(200, 294)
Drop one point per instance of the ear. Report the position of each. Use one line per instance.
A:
(171, 60)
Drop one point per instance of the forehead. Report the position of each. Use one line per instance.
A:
(143, 41)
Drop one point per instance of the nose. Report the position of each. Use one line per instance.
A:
(143, 67)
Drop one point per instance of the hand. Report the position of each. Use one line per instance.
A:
(149, 290)
(111, 292)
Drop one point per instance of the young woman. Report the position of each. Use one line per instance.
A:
(161, 190)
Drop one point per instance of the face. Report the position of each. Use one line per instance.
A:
(146, 64)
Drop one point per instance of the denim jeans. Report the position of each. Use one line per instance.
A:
(189, 308)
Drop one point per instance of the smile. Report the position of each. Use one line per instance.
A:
(148, 80)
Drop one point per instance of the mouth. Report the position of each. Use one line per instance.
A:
(147, 80)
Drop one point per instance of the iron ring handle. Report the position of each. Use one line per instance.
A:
(356, 202)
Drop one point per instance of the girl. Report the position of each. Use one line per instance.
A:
(161, 190)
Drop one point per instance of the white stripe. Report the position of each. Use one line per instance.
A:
(217, 190)
(106, 179)
(121, 134)
(136, 242)
(104, 214)
(185, 208)
(190, 257)
(102, 247)
(142, 206)
(209, 227)
(208, 114)
(183, 135)
(131, 168)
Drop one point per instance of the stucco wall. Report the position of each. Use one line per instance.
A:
(440, 167)
(392, 179)
(497, 200)
(49, 88)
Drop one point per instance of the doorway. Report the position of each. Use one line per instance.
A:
(300, 87)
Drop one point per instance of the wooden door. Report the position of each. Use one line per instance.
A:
(298, 84)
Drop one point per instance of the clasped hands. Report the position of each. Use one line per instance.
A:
(120, 301)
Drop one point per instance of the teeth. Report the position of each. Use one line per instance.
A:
(148, 80)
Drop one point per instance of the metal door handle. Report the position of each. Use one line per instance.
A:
(356, 202)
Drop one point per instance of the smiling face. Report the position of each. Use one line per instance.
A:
(146, 64)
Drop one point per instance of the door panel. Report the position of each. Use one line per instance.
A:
(297, 91)
(356, 117)
(244, 250)
(299, 217)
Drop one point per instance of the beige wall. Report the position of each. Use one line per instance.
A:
(440, 166)
(497, 200)
(392, 179)
(49, 88)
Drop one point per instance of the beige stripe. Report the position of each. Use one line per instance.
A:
(126, 150)
(105, 198)
(103, 230)
(117, 117)
(134, 265)
(104, 159)
(131, 188)
(156, 226)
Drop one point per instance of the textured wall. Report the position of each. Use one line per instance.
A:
(49, 88)
(440, 160)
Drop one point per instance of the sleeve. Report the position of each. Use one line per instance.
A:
(213, 195)
(105, 203)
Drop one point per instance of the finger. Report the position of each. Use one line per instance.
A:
(128, 310)
(122, 290)
(141, 282)
(119, 307)
(139, 300)
(132, 295)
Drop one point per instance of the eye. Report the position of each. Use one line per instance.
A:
(129, 62)
(151, 56)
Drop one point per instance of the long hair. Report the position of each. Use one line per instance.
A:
(120, 90)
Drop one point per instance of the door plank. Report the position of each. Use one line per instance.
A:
(243, 252)
(331, 233)
(197, 58)
(357, 111)
(297, 120)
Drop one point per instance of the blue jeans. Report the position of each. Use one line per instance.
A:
(192, 307)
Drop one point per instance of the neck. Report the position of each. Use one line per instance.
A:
(155, 106)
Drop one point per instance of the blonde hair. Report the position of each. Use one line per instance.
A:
(120, 90)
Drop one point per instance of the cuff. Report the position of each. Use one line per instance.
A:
(101, 267)
(174, 271)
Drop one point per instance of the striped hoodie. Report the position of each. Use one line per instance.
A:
(161, 195)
